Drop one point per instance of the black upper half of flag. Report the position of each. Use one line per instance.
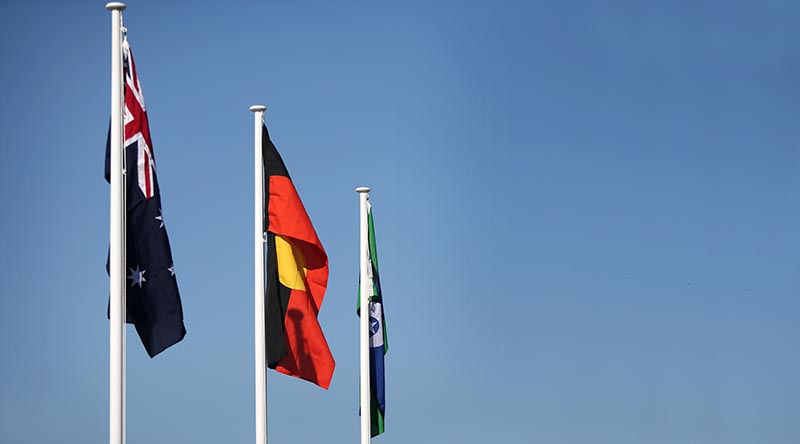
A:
(273, 163)
(153, 300)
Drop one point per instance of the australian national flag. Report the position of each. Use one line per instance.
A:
(153, 301)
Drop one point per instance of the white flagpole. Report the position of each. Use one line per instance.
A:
(116, 410)
(260, 323)
(364, 320)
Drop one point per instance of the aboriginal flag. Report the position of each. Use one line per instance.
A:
(297, 276)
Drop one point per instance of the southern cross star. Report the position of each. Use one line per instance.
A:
(137, 276)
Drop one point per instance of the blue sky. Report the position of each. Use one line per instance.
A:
(586, 216)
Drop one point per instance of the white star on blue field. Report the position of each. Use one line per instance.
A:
(586, 217)
(137, 276)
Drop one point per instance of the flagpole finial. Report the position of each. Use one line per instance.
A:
(115, 6)
(362, 190)
(257, 108)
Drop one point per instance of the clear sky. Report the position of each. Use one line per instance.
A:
(586, 216)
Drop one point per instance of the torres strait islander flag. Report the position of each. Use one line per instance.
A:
(378, 342)
(153, 301)
(297, 276)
